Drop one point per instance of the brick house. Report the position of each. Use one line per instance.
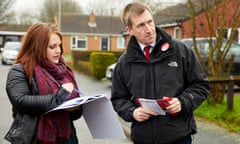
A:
(80, 33)
(91, 33)
(175, 20)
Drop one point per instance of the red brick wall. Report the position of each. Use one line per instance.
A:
(202, 27)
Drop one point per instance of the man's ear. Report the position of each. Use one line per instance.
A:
(129, 30)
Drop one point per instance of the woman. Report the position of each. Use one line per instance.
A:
(38, 82)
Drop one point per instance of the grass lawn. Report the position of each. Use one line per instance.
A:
(219, 114)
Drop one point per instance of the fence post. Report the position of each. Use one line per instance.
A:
(230, 94)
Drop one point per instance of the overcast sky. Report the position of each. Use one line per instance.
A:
(34, 4)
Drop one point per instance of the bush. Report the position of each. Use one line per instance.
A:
(80, 56)
(83, 67)
(99, 61)
(85, 55)
(68, 60)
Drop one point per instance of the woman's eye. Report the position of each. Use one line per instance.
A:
(52, 46)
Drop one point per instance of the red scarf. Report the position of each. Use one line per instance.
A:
(56, 125)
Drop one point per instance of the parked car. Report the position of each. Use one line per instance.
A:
(203, 47)
(10, 52)
(109, 71)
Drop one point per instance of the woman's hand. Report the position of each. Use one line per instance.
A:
(68, 86)
(72, 109)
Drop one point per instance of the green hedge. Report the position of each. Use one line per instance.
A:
(85, 55)
(80, 56)
(83, 67)
(99, 61)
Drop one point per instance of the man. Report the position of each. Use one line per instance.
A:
(170, 73)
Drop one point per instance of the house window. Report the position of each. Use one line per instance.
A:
(1, 40)
(73, 41)
(12, 38)
(104, 44)
(227, 32)
(176, 32)
(79, 42)
(236, 35)
(120, 42)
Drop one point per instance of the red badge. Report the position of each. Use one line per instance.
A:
(165, 46)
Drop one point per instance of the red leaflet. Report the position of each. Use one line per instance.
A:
(163, 103)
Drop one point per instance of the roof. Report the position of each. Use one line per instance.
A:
(172, 14)
(13, 28)
(180, 12)
(77, 23)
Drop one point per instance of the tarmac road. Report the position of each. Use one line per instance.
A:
(207, 133)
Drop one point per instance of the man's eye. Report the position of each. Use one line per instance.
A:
(140, 26)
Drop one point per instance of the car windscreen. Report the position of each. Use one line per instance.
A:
(13, 46)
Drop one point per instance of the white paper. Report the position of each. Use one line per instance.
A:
(77, 101)
(99, 115)
(152, 105)
(102, 120)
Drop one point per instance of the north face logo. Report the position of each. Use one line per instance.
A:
(173, 64)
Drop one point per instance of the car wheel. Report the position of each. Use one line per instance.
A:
(3, 62)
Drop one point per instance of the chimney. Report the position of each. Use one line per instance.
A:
(55, 20)
(92, 20)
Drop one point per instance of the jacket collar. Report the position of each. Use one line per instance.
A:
(134, 53)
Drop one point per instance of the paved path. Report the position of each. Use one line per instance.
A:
(209, 133)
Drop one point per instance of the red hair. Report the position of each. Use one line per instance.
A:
(34, 48)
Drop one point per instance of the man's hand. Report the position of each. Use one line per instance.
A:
(140, 114)
(174, 106)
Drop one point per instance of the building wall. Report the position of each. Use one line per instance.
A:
(169, 30)
(93, 43)
(66, 42)
(172, 31)
(202, 28)
(114, 45)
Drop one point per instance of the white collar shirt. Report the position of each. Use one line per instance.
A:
(142, 46)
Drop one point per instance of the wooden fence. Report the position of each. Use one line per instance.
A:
(229, 80)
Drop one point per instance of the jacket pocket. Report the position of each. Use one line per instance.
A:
(22, 130)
